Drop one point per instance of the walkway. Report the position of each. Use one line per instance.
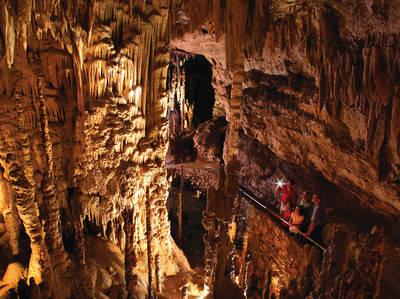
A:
(271, 211)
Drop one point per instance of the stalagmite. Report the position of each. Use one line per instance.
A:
(130, 259)
(52, 224)
(244, 259)
(303, 90)
(209, 245)
(158, 274)
(9, 212)
(246, 278)
(149, 236)
(85, 289)
(235, 63)
(22, 181)
(180, 205)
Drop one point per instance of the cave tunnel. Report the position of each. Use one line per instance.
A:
(200, 149)
(198, 89)
(192, 95)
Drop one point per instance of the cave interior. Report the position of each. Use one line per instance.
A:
(199, 149)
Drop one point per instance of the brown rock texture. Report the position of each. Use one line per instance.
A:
(314, 97)
(96, 125)
(270, 243)
(303, 89)
(321, 85)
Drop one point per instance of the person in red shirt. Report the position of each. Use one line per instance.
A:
(288, 197)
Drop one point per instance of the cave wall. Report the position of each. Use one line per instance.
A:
(271, 247)
(321, 86)
(96, 125)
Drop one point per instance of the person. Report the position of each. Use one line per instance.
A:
(10, 214)
(307, 206)
(288, 196)
(315, 226)
(305, 200)
(296, 220)
(287, 212)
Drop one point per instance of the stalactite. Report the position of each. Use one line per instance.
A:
(217, 17)
(52, 224)
(9, 34)
(182, 96)
(257, 22)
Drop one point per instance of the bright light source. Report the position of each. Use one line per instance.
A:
(280, 183)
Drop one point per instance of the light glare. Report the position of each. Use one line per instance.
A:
(280, 183)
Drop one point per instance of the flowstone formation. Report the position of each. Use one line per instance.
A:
(101, 100)
(83, 140)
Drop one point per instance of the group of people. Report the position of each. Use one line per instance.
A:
(305, 216)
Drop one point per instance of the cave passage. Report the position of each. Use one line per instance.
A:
(186, 149)
(198, 88)
(194, 202)
(191, 94)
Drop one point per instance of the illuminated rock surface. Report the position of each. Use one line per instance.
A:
(102, 101)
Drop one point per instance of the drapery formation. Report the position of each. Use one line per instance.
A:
(98, 126)
(95, 125)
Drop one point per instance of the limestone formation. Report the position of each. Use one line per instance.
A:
(106, 104)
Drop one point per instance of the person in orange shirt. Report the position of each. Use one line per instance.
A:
(296, 220)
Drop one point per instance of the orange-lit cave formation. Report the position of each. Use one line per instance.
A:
(146, 149)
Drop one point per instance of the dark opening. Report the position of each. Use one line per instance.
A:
(193, 204)
(198, 88)
(68, 232)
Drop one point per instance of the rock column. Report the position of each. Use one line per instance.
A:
(21, 178)
(53, 222)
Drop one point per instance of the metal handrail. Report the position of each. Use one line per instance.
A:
(276, 215)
